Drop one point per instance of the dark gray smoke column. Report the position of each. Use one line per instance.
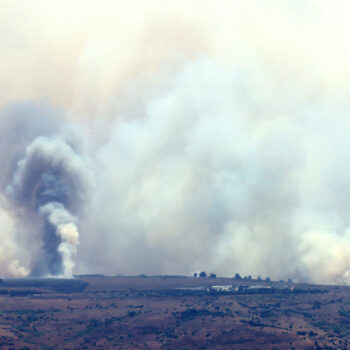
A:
(51, 183)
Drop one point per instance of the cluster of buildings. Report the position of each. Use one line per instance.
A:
(255, 288)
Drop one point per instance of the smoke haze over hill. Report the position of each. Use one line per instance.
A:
(167, 137)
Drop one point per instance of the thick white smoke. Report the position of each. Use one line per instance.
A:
(66, 230)
(11, 259)
(216, 134)
(219, 174)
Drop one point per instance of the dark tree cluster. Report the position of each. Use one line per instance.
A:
(203, 274)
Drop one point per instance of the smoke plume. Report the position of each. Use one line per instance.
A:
(171, 137)
(50, 182)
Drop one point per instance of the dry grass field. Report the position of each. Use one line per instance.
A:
(165, 313)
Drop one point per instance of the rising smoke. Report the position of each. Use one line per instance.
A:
(50, 183)
(176, 137)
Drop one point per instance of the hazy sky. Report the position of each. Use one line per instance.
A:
(175, 136)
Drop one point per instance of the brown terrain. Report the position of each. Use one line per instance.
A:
(96, 312)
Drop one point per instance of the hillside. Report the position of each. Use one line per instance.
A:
(172, 313)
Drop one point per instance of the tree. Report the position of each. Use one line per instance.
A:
(195, 274)
(238, 276)
(203, 274)
(212, 275)
(268, 279)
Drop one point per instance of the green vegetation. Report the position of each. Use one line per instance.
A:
(55, 284)
(266, 313)
(344, 313)
(190, 314)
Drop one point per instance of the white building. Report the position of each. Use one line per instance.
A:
(227, 288)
